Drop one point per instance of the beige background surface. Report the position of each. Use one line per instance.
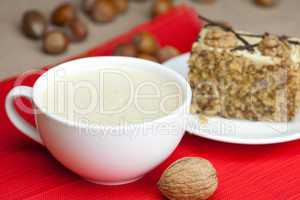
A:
(18, 54)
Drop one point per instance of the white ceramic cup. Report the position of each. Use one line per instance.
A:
(109, 155)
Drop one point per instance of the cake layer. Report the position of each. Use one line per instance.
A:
(245, 76)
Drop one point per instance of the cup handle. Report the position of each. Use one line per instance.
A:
(15, 118)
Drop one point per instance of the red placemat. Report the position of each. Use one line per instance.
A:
(28, 171)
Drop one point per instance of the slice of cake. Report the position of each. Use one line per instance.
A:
(245, 76)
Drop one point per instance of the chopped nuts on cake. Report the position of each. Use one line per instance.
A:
(251, 77)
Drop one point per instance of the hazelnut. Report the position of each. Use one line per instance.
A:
(189, 179)
(55, 42)
(147, 57)
(161, 6)
(265, 3)
(206, 1)
(166, 53)
(33, 24)
(128, 50)
(77, 30)
(87, 5)
(64, 14)
(103, 11)
(145, 43)
(121, 5)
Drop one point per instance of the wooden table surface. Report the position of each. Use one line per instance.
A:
(18, 54)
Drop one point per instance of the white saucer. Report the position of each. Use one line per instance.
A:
(233, 130)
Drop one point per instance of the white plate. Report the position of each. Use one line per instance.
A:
(233, 130)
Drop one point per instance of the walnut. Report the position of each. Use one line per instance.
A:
(271, 45)
(188, 179)
(236, 65)
(219, 38)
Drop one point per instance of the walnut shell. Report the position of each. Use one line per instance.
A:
(188, 179)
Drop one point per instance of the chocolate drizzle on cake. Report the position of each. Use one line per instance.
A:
(246, 44)
(241, 48)
(240, 36)
(282, 38)
(294, 42)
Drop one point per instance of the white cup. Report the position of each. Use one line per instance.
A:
(109, 155)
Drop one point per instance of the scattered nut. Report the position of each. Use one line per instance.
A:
(125, 50)
(166, 53)
(145, 43)
(265, 3)
(103, 11)
(64, 14)
(219, 38)
(55, 42)
(87, 5)
(147, 57)
(161, 6)
(121, 5)
(77, 30)
(189, 179)
(271, 45)
(206, 1)
(33, 24)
